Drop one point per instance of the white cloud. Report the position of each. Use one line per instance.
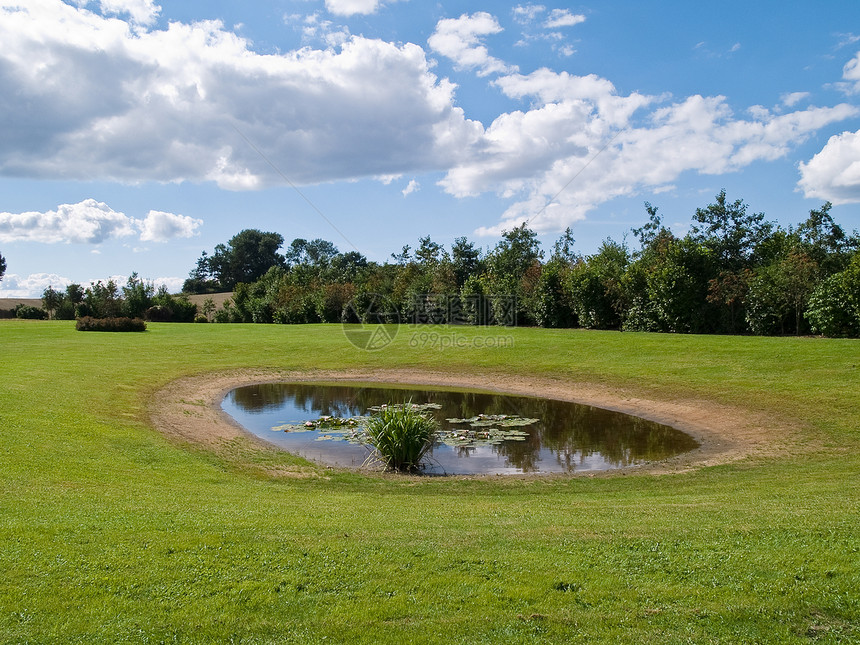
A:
(351, 7)
(525, 14)
(173, 284)
(460, 40)
(563, 18)
(159, 226)
(315, 28)
(583, 144)
(851, 73)
(86, 97)
(846, 40)
(411, 187)
(834, 173)
(791, 99)
(142, 12)
(31, 286)
(87, 222)
(92, 222)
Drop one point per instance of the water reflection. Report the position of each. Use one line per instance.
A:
(569, 437)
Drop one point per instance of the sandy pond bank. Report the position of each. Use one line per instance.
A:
(188, 410)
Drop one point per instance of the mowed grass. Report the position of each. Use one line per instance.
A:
(110, 533)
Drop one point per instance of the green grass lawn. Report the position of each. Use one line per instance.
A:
(111, 533)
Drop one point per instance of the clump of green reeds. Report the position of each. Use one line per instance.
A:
(401, 436)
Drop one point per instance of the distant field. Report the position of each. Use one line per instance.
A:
(111, 532)
(217, 298)
(11, 303)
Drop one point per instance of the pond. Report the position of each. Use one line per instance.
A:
(482, 432)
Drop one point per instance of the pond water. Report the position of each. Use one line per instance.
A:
(482, 432)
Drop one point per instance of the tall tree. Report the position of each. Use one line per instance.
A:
(514, 255)
(137, 296)
(429, 252)
(826, 242)
(246, 257)
(51, 301)
(563, 249)
(466, 260)
(513, 270)
(316, 253)
(2, 267)
(729, 232)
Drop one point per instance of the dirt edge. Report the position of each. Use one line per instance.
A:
(188, 411)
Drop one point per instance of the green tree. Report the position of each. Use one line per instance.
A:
(74, 296)
(552, 303)
(137, 296)
(563, 249)
(512, 270)
(201, 279)
(729, 232)
(429, 253)
(465, 259)
(51, 301)
(101, 300)
(167, 308)
(825, 242)
(779, 293)
(208, 308)
(245, 258)
(2, 267)
(317, 253)
(346, 267)
(834, 306)
(595, 287)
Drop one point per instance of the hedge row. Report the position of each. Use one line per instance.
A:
(88, 323)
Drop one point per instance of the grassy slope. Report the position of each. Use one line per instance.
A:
(108, 533)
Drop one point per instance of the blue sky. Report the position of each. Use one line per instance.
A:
(137, 134)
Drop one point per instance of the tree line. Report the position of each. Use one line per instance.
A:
(734, 272)
(106, 299)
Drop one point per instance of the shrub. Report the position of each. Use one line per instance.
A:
(401, 436)
(834, 307)
(200, 318)
(88, 323)
(159, 313)
(224, 315)
(30, 313)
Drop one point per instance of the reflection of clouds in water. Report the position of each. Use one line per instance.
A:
(568, 438)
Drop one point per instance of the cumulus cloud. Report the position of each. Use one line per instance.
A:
(460, 39)
(88, 97)
(87, 222)
(172, 284)
(31, 286)
(143, 12)
(92, 222)
(583, 144)
(85, 97)
(159, 226)
(351, 7)
(834, 173)
(563, 18)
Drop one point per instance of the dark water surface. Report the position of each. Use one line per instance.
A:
(568, 437)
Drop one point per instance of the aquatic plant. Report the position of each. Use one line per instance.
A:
(401, 436)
